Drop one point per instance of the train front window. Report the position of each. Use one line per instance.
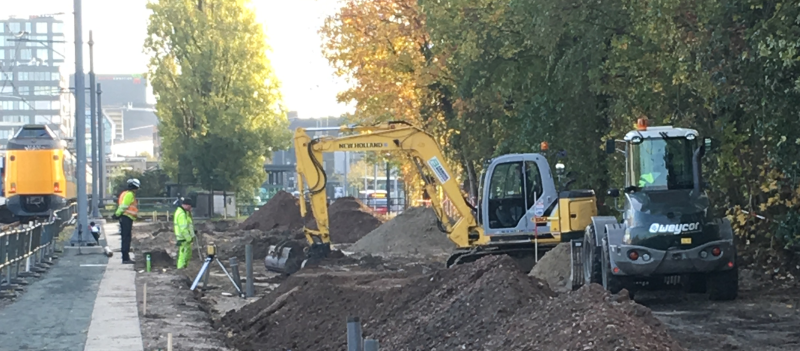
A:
(35, 133)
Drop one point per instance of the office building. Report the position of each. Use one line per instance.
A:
(31, 84)
(124, 99)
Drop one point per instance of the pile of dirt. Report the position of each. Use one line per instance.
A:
(554, 268)
(349, 220)
(281, 211)
(412, 232)
(220, 225)
(235, 246)
(486, 305)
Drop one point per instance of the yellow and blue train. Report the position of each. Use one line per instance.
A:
(40, 173)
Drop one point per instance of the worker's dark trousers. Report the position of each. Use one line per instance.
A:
(126, 225)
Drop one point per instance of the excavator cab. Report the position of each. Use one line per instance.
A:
(521, 212)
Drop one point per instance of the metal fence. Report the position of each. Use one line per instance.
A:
(27, 249)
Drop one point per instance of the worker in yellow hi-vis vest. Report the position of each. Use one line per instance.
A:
(184, 232)
(126, 213)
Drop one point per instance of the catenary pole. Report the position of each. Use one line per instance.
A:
(101, 148)
(93, 127)
(80, 236)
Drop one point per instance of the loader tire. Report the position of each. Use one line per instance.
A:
(724, 285)
(593, 263)
(696, 284)
(611, 283)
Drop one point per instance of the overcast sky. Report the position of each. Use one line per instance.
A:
(119, 28)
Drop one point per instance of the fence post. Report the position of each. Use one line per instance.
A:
(5, 284)
(248, 258)
(371, 345)
(354, 340)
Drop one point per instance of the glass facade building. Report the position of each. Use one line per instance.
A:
(31, 85)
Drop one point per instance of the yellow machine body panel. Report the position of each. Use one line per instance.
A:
(576, 213)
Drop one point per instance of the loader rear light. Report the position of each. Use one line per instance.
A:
(13, 188)
(716, 251)
(633, 255)
(730, 264)
(56, 187)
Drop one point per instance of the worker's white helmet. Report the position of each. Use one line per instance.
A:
(133, 182)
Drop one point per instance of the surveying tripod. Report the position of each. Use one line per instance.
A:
(211, 256)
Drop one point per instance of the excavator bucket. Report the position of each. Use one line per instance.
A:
(576, 263)
(287, 257)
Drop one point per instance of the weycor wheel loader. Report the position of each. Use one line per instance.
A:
(667, 235)
(520, 212)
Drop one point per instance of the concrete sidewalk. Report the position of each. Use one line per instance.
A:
(115, 319)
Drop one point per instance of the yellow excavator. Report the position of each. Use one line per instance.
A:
(520, 212)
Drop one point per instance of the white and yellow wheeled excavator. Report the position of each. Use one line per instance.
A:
(520, 212)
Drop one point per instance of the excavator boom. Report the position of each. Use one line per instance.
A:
(393, 138)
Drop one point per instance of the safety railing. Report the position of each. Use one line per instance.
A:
(27, 249)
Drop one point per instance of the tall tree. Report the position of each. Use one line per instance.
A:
(218, 100)
(382, 47)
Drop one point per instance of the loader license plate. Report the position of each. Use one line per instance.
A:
(686, 241)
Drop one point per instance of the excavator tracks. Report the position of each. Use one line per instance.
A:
(525, 256)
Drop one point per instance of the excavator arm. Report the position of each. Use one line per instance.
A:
(392, 137)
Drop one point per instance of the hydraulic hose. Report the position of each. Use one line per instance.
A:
(317, 188)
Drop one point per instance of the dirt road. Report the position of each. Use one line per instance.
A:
(764, 320)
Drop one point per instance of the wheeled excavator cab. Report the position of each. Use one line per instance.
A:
(666, 235)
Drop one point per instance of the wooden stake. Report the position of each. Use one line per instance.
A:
(144, 308)
(169, 341)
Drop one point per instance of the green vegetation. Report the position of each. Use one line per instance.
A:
(495, 76)
(154, 182)
(218, 100)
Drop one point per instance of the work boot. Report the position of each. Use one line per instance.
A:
(128, 262)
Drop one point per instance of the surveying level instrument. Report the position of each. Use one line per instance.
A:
(211, 256)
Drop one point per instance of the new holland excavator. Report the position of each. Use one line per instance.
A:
(667, 236)
(520, 212)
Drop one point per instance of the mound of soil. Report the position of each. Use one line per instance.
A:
(554, 268)
(281, 211)
(486, 305)
(349, 220)
(412, 232)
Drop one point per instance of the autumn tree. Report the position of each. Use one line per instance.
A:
(218, 100)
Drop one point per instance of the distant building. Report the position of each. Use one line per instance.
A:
(32, 89)
(108, 127)
(124, 100)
